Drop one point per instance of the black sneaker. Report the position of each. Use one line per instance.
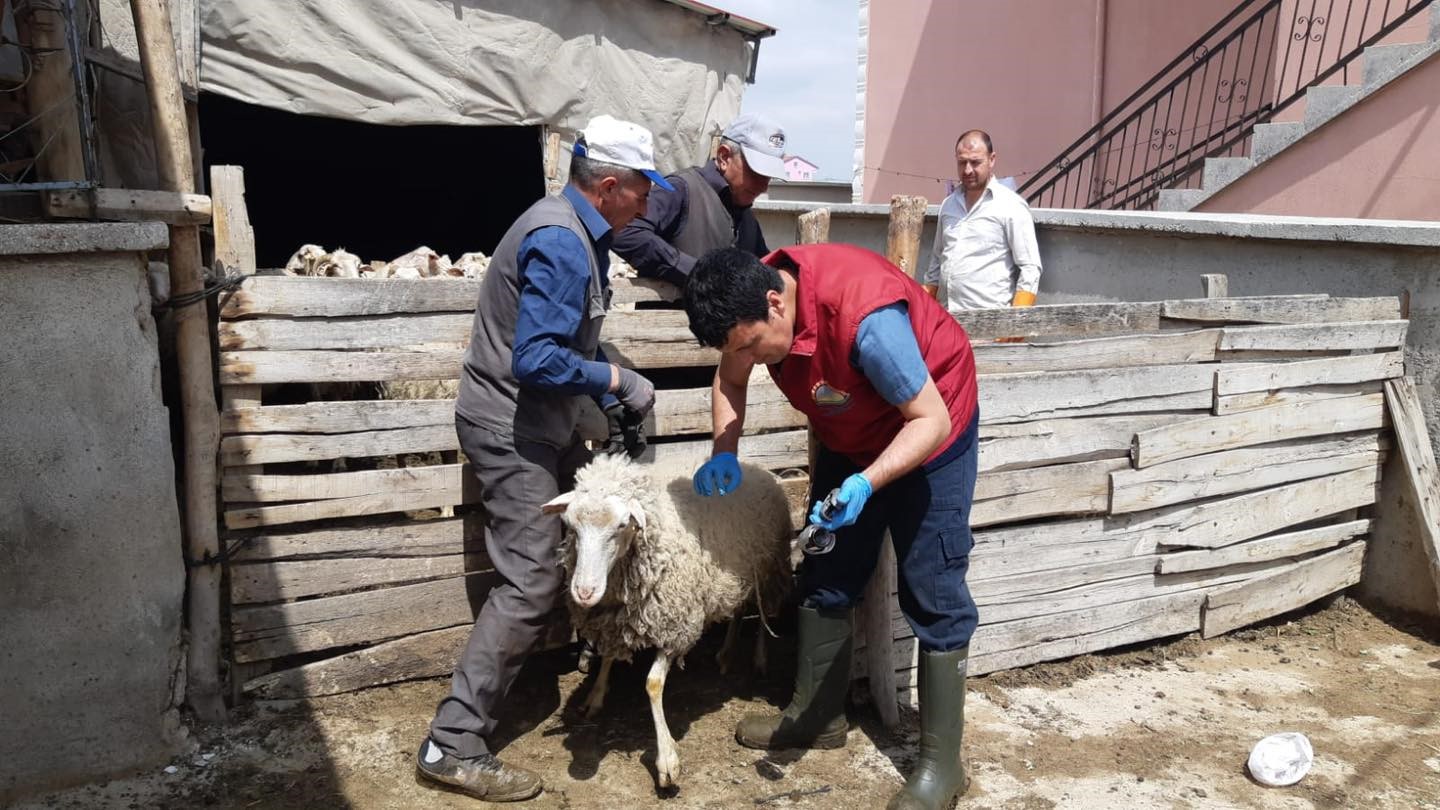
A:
(484, 777)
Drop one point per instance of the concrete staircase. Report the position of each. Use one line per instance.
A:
(1383, 64)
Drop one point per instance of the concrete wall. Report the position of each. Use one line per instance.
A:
(1036, 74)
(1380, 158)
(1110, 256)
(91, 577)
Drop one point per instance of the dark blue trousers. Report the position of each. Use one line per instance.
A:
(928, 515)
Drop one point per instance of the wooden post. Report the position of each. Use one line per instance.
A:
(813, 228)
(1216, 285)
(902, 248)
(1418, 459)
(553, 183)
(50, 94)
(192, 336)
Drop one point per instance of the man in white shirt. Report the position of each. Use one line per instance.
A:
(985, 254)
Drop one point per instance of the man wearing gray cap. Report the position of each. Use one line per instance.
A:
(710, 206)
(534, 353)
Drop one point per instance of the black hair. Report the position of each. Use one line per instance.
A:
(726, 288)
(976, 133)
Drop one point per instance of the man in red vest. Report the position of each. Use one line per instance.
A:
(887, 379)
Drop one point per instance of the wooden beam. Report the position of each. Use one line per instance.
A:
(281, 580)
(1237, 403)
(1298, 420)
(128, 205)
(271, 448)
(1237, 518)
(1344, 336)
(1061, 319)
(422, 655)
(403, 538)
(1418, 456)
(1274, 547)
(1239, 470)
(1169, 348)
(1244, 378)
(50, 91)
(1042, 395)
(1215, 285)
(1282, 309)
(192, 335)
(1299, 584)
(1063, 489)
(1060, 441)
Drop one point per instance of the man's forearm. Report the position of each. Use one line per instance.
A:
(908, 450)
(727, 413)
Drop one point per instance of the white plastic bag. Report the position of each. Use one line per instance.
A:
(1281, 759)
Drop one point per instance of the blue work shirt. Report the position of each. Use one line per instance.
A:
(886, 350)
(554, 289)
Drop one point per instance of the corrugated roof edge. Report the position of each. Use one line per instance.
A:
(744, 25)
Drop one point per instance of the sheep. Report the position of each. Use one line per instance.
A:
(652, 564)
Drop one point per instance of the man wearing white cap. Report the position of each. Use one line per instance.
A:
(534, 352)
(710, 206)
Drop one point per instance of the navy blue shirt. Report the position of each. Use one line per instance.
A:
(646, 242)
(554, 290)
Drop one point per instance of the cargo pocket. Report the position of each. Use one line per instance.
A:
(951, 592)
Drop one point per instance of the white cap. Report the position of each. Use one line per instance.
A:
(762, 141)
(610, 140)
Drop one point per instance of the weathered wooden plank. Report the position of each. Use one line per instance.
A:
(1237, 403)
(653, 338)
(271, 631)
(1275, 547)
(1351, 335)
(1247, 468)
(409, 330)
(129, 205)
(423, 655)
(1301, 583)
(278, 447)
(315, 297)
(406, 538)
(1039, 395)
(773, 451)
(340, 417)
(1419, 463)
(642, 290)
(278, 580)
(1238, 518)
(372, 504)
(1166, 348)
(1061, 319)
(257, 488)
(1282, 309)
(1242, 378)
(258, 367)
(1010, 550)
(1018, 445)
(1062, 489)
(1298, 420)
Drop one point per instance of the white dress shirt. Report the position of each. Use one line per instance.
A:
(982, 255)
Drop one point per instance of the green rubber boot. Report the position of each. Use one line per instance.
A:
(815, 717)
(939, 775)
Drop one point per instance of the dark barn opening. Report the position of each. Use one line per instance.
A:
(377, 191)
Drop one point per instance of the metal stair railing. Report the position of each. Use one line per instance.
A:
(1250, 66)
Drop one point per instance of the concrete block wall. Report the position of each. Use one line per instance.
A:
(1125, 256)
(91, 575)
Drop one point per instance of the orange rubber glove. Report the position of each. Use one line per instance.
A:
(1022, 299)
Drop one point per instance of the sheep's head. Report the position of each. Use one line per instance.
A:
(604, 528)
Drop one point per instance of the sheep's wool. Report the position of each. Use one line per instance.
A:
(698, 560)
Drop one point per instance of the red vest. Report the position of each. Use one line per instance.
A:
(838, 286)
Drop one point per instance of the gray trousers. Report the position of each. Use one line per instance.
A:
(515, 478)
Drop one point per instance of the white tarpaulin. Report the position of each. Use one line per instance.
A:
(482, 62)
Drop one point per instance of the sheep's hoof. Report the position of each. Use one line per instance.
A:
(667, 774)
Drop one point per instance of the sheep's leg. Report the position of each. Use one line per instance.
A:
(667, 759)
(596, 698)
(726, 657)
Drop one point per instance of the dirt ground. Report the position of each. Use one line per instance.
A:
(1166, 725)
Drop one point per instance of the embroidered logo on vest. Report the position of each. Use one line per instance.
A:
(829, 399)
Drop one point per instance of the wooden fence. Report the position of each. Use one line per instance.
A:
(1159, 468)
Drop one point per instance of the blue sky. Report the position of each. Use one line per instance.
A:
(806, 77)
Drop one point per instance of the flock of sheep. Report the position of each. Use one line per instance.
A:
(422, 262)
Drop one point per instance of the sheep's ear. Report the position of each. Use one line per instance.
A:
(558, 503)
(637, 513)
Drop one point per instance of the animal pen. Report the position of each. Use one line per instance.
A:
(1147, 469)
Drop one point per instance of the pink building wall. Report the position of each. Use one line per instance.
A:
(1034, 73)
(1380, 159)
(798, 168)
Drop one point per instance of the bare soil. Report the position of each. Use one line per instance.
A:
(1165, 725)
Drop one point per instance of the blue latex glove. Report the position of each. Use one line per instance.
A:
(718, 476)
(853, 495)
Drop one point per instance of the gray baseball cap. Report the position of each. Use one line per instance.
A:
(762, 141)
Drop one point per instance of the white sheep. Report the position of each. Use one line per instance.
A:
(652, 564)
